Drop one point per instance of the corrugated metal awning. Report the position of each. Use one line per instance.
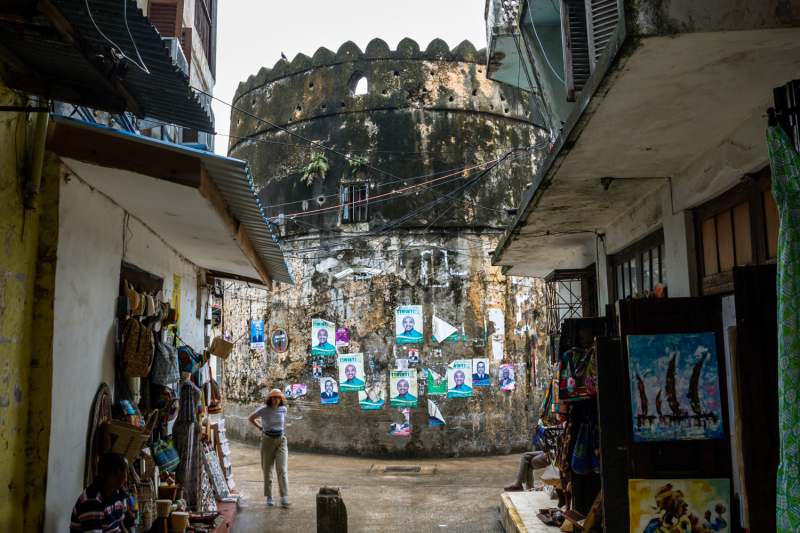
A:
(230, 176)
(45, 63)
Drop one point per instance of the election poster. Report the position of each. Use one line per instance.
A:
(506, 375)
(403, 388)
(351, 372)
(480, 372)
(328, 391)
(256, 334)
(413, 356)
(322, 335)
(405, 427)
(317, 371)
(437, 384)
(299, 389)
(459, 379)
(408, 324)
(342, 337)
(374, 396)
(435, 417)
(442, 331)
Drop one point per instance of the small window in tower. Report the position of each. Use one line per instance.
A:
(354, 202)
(359, 84)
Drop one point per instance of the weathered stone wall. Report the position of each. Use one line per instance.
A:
(426, 113)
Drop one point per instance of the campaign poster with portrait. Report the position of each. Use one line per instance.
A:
(288, 391)
(374, 396)
(256, 334)
(413, 356)
(403, 388)
(459, 379)
(322, 337)
(408, 324)
(299, 389)
(342, 337)
(506, 375)
(480, 372)
(328, 391)
(316, 371)
(437, 384)
(351, 372)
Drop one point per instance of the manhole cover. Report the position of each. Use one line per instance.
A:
(401, 469)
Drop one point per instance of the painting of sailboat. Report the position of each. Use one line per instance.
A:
(674, 383)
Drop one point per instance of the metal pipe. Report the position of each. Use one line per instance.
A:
(37, 161)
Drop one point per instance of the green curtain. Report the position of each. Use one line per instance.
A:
(785, 165)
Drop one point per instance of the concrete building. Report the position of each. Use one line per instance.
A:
(86, 202)
(411, 221)
(655, 134)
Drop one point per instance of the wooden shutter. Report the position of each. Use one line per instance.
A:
(166, 16)
(186, 46)
(601, 19)
(577, 64)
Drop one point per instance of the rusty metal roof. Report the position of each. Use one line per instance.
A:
(49, 61)
(232, 178)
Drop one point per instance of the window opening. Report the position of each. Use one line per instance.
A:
(640, 267)
(352, 211)
(359, 84)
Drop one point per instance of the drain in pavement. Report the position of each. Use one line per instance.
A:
(403, 469)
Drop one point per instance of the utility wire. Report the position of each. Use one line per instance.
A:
(530, 16)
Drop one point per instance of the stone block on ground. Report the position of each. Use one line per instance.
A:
(331, 511)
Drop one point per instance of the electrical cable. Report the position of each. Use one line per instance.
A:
(530, 16)
(142, 67)
(357, 151)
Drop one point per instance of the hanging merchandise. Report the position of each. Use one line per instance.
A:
(136, 349)
(165, 455)
(221, 348)
(167, 405)
(165, 369)
(133, 296)
(215, 402)
(581, 456)
(578, 379)
(145, 493)
(185, 433)
(190, 360)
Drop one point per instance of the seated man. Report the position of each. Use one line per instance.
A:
(103, 505)
(528, 461)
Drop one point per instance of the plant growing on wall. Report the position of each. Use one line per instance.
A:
(317, 168)
(357, 162)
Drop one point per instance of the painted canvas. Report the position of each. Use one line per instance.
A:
(674, 382)
(679, 505)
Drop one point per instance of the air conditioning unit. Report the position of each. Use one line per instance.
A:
(176, 53)
(197, 139)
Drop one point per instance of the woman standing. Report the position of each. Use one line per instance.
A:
(273, 444)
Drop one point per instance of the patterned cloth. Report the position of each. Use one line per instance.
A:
(785, 165)
(98, 513)
(185, 433)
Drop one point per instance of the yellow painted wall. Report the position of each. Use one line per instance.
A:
(27, 280)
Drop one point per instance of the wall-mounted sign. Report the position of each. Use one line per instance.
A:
(256, 334)
(279, 340)
(342, 337)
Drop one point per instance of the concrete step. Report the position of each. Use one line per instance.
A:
(518, 512)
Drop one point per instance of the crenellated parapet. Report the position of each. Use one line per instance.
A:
(437, 78)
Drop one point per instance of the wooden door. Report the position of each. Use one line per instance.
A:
(755, 365)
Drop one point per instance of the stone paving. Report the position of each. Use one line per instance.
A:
(460, 494)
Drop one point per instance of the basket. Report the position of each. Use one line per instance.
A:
(168, 492)
(125, 439)
(221, 348)
(180, 521)
(163, 508)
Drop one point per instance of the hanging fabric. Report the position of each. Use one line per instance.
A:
(785, 165)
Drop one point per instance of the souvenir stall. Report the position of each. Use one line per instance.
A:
(671, 403)
(158, 415)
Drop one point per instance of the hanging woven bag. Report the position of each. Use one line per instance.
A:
(165, 368)
(136, 349)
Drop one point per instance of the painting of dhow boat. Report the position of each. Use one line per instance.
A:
(675, 392)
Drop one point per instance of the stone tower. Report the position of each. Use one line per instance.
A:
(431, 205)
